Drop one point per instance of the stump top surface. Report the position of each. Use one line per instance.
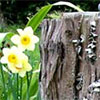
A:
(82, 13)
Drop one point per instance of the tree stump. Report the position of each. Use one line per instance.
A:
(70, 57)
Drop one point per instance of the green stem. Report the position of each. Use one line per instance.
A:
(27, 86)
(21, 89)
(30, 77)
(12, 86)
(3, 80)
(17, 86)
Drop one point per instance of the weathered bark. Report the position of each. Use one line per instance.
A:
(62, 65)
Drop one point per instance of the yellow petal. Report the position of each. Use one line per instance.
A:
(28, 67)
(15, 39)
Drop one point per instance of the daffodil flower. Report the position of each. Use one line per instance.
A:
(16, 60)
(26, 39)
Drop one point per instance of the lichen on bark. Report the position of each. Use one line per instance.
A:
(61, 65)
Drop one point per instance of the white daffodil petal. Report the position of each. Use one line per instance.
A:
(5, 51)
(35, 39)
(12, 68)
(19, 65)
(14, 48)
(22, 73)
(17, 61)
(15, 39)
(21, 47)
(20, 31)
(25, 57)
(28, 30)
(31, 47)
(26, 39)
(3, 60)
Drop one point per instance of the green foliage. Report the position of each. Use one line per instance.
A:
(3, 35)
(12, 88)
(35, 21)
(87, 5)
(38, 17)
(13, 85)
(27, 8)
(69, 5)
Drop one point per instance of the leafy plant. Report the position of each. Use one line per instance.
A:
(35, 21)
(26, 88)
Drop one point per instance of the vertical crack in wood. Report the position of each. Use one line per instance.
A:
(63, 69)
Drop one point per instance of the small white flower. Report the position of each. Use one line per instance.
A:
(26, 39)
(16, 60)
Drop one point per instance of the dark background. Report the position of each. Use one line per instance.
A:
(16, 11)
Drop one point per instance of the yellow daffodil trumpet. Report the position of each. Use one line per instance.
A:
(16, 60)
(26, 39)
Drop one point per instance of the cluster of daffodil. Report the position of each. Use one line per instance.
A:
(14, 57)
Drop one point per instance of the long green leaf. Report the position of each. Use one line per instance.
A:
(35, 21)
(2, 36)
(38, 17)
(68, 4)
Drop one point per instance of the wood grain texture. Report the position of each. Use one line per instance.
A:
(60, 63)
